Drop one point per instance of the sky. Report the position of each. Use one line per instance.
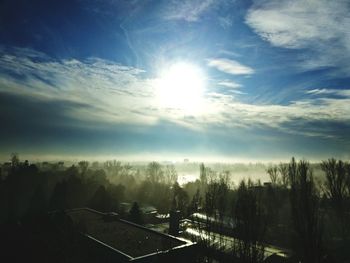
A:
(201, 79)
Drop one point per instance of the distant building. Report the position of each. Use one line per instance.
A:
(148, 209)
(123, 241)
(149, 213)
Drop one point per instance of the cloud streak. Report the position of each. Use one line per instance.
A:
(106, 93)
(113, 91)
(230, 84)
(337, 92)
(319, 26)
(230, 66)
(187, 10)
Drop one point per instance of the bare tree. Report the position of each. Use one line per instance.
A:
(210, 206)
(202, 174)
(347, 181)
(273, 173)
(14, 160)
(250, 221)
(305, 212)
(292, 171)
(283, 170)
(336, 190)
(335, 185)
(195, 203)
(223, 190)
(170, 174)
(180, 198)
(83, 166)
(154, 172)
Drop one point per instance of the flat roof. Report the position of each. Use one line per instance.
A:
(129, 238)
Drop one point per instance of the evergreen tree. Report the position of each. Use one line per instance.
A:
(135, 214)
(101, 201)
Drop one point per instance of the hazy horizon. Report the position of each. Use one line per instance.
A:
(146, 158)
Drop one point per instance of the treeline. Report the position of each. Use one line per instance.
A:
(27, 189)
(310, 217)
(293, 210)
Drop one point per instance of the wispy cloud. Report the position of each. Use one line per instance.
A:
(225, 22)
(341, 92)
(188, 10)
(229, 84)
(230, 66)
(319, 26)
(107, 92)
(299, 117)
(113, 91)
(232, 87)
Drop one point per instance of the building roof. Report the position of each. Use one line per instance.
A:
(126, 237)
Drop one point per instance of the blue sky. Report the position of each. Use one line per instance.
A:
(78, 78)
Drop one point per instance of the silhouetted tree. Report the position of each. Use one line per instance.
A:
(210, 209)
(135, 214)
(283, 170)
(76, 192)
(335, 185)
(101, 201)
(170, 175)
(154, 172)
(95, 165)
(72, 171)
(292, 172)
(250, 221)
(273, 173)
(38, 205)
(14, 160)
(347, 181)
(202, 174)
(117, 193)
(181, 198)
(335, 189)
(272, 203)
(305, 212)
(98, 177)
(222, 203)
(144, 191)
(83, 165)
(195, 203)
(59, 197)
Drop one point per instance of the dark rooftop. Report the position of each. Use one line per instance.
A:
(129, 238)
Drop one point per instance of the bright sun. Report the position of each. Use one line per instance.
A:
(181, 86)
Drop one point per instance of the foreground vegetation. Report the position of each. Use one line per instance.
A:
(307, 215)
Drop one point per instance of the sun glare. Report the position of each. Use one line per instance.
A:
(181, 86)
